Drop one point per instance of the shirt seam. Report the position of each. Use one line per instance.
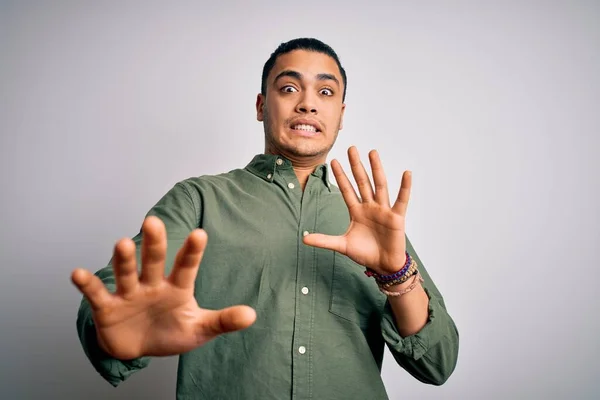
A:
(195, 203)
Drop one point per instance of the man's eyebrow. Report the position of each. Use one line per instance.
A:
(289, 73)
(328, 77)
(297, 75)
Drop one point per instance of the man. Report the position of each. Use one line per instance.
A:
(287, 310)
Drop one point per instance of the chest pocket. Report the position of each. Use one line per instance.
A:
(354, 296)
(231, 274)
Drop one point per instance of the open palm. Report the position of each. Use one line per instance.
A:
(376, 235)
(151, 314)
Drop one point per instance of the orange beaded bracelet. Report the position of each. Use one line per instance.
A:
(416, 280)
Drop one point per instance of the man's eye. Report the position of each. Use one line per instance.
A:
(327, 92)
(288, 89)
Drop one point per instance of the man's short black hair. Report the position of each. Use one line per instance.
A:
(309, 44)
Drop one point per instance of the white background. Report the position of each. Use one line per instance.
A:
(494, 106)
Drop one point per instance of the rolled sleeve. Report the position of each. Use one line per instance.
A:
(414, 346)
(429, 355)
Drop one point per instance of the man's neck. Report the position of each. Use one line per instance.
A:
(303, 166)
(302, 173)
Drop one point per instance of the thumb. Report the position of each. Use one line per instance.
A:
(335, 243)
(215, 322)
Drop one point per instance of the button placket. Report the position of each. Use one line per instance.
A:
(305, 279)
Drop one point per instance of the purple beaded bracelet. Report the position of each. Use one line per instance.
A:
(385, 278)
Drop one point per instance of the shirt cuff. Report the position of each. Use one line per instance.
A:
(113, 370)
(416, 345)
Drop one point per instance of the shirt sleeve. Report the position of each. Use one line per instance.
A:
(179, 210)
(431, 354)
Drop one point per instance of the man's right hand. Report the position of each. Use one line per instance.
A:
(150, 314)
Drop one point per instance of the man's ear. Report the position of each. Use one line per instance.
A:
(342, 116)
(260, 103)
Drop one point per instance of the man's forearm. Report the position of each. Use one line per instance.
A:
(411, 309)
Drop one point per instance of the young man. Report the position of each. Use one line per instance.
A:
(301, 284)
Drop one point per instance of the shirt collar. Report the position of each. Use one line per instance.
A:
(266, 165)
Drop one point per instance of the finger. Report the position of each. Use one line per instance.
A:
(125, 267)
(403, 194)
(344, 184)
(91, 287)
(154, 251)
(187, 261)
(382, 195)
(335, 243)
(360, 175)
(216, 322)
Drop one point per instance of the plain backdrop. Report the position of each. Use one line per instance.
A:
(494, 106)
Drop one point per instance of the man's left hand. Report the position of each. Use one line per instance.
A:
(375, 237)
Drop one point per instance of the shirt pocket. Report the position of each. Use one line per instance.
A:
(232, 274)
(354, 296)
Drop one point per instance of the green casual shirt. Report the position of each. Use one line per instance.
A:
(321, 322)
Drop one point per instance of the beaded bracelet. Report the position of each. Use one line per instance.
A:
(411, 271)
(416, 280)
(386, 278)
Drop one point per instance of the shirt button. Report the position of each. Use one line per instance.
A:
(269, 176)
(291, 185)
(304, 290)
(279, 161)
(301, 349)
(304, 233)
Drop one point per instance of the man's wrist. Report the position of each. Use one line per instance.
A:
(398, 287)
(396, 267)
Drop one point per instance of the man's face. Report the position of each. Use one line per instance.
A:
(302, 110)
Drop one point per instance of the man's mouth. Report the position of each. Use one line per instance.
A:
(305, 128)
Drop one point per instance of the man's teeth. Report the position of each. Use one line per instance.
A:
(303, 127)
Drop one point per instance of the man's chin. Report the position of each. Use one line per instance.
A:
(307, 152)
(300, 150)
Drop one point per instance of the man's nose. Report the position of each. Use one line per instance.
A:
(307, 105)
